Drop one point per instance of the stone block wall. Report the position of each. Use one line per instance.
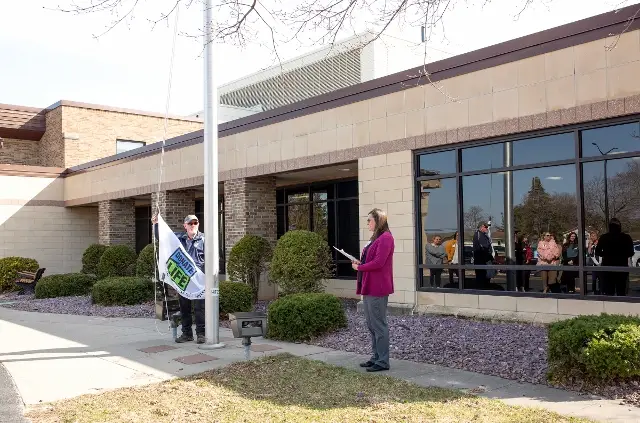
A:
(116, 222)
(52, 142)
(19, 152)
(91, 133)
(174, 206)
(250, 208)
(386, 182)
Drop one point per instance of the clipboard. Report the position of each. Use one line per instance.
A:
(347, 255)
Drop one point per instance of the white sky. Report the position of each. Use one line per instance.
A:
(48, 55)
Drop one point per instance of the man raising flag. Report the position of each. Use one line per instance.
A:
(181, 265)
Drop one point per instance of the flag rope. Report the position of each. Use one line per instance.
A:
(160, 176)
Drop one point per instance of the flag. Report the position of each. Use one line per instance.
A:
(175, 267)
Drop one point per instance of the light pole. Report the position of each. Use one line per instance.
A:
(606, 184)
(212, 264)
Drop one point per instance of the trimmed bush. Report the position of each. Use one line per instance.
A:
(599, 348)
(301, 262)
(247, 260)
(235, 297)
(122, 291)
(300, 317)
(9, 266)
(91, 258)
(145, 266)
(117, 260)
(65, 285)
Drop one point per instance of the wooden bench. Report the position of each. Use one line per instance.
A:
(28, 280)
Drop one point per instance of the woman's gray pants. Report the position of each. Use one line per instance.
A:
(375, 313)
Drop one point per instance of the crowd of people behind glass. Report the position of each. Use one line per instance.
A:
(614, 248)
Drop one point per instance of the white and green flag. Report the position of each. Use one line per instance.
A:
(175, 267)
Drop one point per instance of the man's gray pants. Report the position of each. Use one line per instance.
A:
(375, 313)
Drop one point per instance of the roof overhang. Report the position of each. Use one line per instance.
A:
(23, 123)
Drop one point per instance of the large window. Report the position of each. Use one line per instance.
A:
(534, 214)
(329, 209)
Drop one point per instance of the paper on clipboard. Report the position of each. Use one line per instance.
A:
(347, 255)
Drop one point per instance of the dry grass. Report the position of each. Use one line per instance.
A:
(285, 388)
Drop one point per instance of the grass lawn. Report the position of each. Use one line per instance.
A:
(285, 388)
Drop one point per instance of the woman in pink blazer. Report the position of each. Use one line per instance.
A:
(375, 284)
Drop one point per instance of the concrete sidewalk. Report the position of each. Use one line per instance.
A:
(10, 402)
(54, 356)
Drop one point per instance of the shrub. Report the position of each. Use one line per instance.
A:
(91, 258)
(9, 266)
(301, 261)
(247, 260)
(235, 297)
(117, 260)
(122, 291)
(595, 347)
(146, 264)
(65, 285)
(299, 317)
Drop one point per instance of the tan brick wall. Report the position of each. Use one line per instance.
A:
(97, 130)
(386, 182)
(33, 224)
(116, 222)
(20, 152)
(52, 143)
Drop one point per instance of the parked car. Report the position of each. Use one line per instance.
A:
(635, 260)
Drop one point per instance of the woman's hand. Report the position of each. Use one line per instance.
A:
(355, 265)
(356, 262)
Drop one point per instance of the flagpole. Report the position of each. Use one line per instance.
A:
(212, 264)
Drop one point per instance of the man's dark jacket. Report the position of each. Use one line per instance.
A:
(194, 247)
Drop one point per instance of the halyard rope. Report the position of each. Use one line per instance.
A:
(160, 175)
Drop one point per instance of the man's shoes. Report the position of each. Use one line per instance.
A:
(184, 338)
(367, 364)
(376, 368)
(201, 339)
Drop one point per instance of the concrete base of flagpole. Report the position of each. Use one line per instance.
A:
(212, 346)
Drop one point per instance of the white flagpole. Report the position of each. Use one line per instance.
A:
(212, 265)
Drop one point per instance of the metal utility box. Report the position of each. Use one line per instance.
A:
(246, 325)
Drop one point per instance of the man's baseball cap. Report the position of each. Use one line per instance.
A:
(482, 224)
(190, 218)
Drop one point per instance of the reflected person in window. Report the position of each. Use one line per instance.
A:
(451, 247)
(570, 252)
(549, 253)
(482, 254)
(435, 254)
(375, 284)
(616, 248)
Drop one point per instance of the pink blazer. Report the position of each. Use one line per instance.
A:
(377, 272)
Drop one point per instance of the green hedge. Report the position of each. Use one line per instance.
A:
(301, 262)
(235, 297)
(117, 260)
(64, 285)
(122, 291)
(599, 348)
(145, 266)
(300, 317)
(91, 258)
(247, 261)
(9, 266)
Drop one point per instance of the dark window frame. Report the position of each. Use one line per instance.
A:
(309, 189)
(577, 160)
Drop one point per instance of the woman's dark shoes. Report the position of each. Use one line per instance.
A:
(367, 364)
(376, 368)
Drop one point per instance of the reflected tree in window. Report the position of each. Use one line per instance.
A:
(473, 216)
(541, 211)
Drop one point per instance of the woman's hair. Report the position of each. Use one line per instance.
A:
(568, 242)
(380, 218)
(455, 236)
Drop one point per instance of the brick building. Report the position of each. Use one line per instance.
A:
(521, 134)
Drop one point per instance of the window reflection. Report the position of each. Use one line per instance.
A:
(438, 215)
(483, 157)
(437, 163)
(544, 149)
(617, 139)
(545, 216)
